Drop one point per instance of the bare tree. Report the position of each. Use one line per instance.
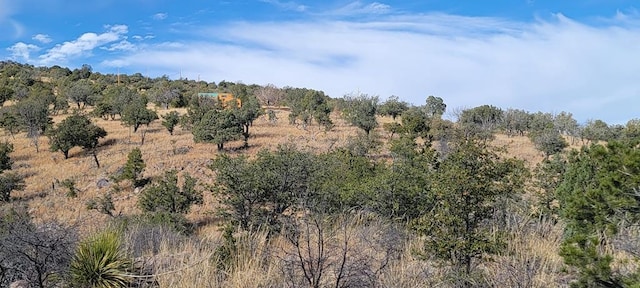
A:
(39, 254)
(269, 95)
(339, 252)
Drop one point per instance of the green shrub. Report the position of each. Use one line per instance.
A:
(70, 184)
(101, 262)
(134, 167)
(176, 221)
(10, 182)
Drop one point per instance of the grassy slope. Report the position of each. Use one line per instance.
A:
(47, 201)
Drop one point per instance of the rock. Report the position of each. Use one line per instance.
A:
(102, 183)
(182, 150)
(118, 172)
(19, 284)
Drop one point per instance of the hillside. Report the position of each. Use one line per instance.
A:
(161, 151)
(304, 189)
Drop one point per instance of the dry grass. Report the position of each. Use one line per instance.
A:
(530, 260)
(258, 263)
(263, 262)
(161, 152)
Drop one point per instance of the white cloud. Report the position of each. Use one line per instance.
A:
(118, 29)
(552, 66)
(359, 7)
(160, 16)
(141, 38)
(84, 44)
(123, 45)
(42, 38)
(22, 50)
(290, 5)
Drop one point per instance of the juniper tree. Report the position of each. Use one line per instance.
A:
(218, 127)
(75, 130)
(134, 166)
(468, 188)
(170, 121)
(167, 196)
(137, 113)
(360, 110)
(598, 195)
(393, 107)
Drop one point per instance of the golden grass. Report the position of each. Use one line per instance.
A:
(530, 260)
(44, 169)
(254, 266)
(161, 152)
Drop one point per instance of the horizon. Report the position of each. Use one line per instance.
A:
(530, 55)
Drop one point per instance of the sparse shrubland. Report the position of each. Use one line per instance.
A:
(319, 192)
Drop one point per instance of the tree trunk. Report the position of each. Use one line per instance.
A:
(142, 136)
(35, 143)
(95, 158)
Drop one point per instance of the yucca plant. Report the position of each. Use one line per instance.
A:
(100, 262)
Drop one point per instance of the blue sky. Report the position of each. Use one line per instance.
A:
(577, 56)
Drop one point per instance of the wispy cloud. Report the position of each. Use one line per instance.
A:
(160, 16)
(84, 44)
(9, 27)
(123, 45)
(552, 65)
(22, 51)
(42, 38)
(358, 8)
(140, 37)
(287, 5)
(7, 8)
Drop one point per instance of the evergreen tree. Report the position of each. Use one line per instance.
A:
(360, 111)
(246, 114)
(548, 141)
(5, 160)
(170, 121)
(137, 113)
(134, 166)
(10, 182)
(435, 106)
(218, 127)
(75, 130)
(167, 196)
(468, 188)
(393, 107)
(308, 105)
(599, 192)
(6, 93)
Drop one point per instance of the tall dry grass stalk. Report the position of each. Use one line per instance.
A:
(364, 251)
(531, 256)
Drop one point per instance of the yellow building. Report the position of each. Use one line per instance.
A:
(224, 98)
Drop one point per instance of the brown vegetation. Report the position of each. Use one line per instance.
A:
(530, 259)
